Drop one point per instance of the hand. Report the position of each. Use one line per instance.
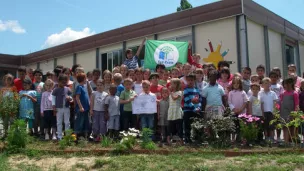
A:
(195, 100)
(54, 112)
(190, 44)
(42, 114)
(68, 98)
(107, 116)
(81, 109)
(91, 112)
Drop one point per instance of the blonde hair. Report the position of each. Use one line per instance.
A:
(177, 82)
(146, 82)
(265, 80)
(48, 81)
(79, 69)
(117, 78)
(100, 81)
(128, 80)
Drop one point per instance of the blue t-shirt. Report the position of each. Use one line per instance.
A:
(213, 94)
(84, 98)
(26, 108)
(131, 63)
(120, 88)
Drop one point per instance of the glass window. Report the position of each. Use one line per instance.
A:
(185, 38)
(110, 61)
(290, 54)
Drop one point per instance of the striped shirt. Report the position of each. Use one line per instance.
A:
(189, 94)
(131, 63)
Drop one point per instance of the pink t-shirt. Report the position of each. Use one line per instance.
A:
(298, 82)
(225, 85)
(289, 93)
(236, 99)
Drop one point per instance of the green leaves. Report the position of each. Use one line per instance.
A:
(17, 136)
(184, 4)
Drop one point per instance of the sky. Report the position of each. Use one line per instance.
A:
(31, 25)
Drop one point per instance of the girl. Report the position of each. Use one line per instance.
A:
(97, 110)
(147, 73)
(67, 72)
(163, 113)
(132, 61)
(138, 82)
(175, 112)
(96, 76)
(164, 79)
(124, 71)
(27, 100)
(237, 100)
(199, 76)
(115, 70)
(107, 77)
(186, 71)
(289, 102)
(278, 71)
(224, 80)
(46, 110)
(131, 74)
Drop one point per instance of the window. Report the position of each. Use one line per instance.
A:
(290, 54)
(110, 60)
(184, 38)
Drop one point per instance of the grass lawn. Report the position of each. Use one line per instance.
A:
(196, 162)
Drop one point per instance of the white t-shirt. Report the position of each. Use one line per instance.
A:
(249, 93)
(277, 88)
(114, 106)
(268, 98)
(256, 106)
(99, 100)
(138, 88)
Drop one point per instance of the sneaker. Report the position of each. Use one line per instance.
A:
(47, 137)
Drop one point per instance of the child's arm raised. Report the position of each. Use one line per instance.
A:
(79, 103)
(140, 47)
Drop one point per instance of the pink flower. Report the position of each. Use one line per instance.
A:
(302, 117)
(256, 118)
(277, 106)
(250, 120)
(262, 121)
(242, 116)
(248, 116)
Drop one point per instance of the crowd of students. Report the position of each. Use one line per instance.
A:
(100, 103)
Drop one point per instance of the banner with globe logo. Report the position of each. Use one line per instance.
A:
(165, 52)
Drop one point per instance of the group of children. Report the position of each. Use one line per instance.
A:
(93, 106)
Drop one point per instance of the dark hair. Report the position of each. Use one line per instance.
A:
(247, 69)
(191, 76)
(22, 69)
(260, 67)
(60, 66)
(128, 51)
(211, 65)
(96, 70)
(62, 77)
(81, 77)
(75, 66)
(153, 75)
(239, 81)
(277, 69)
(57, 71)
(49, 73)
(130, 70)
(138, 70)
(39, 71)
(223, 64)
(27, 81)
(66, 69)
(225, 70)
(89, 72)
(292, 65)
(160, 66)
(255, 84)
(273, 73)
(212, 72)
(289, 81)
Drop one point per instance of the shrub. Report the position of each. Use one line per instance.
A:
(106, 141)
(147, 142)
(17, 136)
(68, 140)
(127, 142)
(249, 127)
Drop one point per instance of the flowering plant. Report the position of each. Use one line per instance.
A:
(249, 127)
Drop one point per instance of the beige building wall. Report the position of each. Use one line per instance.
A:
(256, 47)
(33, 65)
(137, 41)
(301, 50)
(275, 50)
(218, 31)
(174, 33)
(87, 59)
(66, 61)
(109, 48)
(46, 66)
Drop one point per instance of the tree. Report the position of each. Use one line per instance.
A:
(184, 4)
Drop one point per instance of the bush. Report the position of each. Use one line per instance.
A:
(147, 142)
(127, 142)
(17, 136)
(68, 140)
(106, 141)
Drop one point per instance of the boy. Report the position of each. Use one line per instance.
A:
(147, 120)
(275, 86)
(192, 105)
(38, 85)
(126, 97)
(18, 82)
(82, 123)
(195, 58)
(96, 76)
(255, 108)
(61, 104)
(220, 66)
(112, 112)
(292, 69)
(155, 87)
(30, 74)
(89, 76)
(268, 101)
(132, 61)
(260, 70)
(214, 95)
(186, 71)
(246, 73)
(117, 82)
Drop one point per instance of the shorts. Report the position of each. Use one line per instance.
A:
(114, 122)
(212, 112)
(268, 117)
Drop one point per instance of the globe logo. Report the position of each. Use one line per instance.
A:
(166, 54)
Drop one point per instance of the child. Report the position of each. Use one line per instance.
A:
(147, 120)
(268, 101)
(82, 124)
(27, 100)
(292, 69)
(112, 111)
(278, 71)
(163, 113)
(174, 74)
(67, 72)
(147, 73)
(186, 71)
(214, 97)
(61, 99)
(253, 79)
(115, 70)
(175, 112)
(237, 100)
(138, 82)
(18, 82)
(38, 85)
(50, 75)
(30, 74)
(117, 82)
(126, 97)
(246, 73)
(301, 105)
(224, 79)
(260, 70)
(220, 66)
(131, 74)
(89, 76)
(124, 71)
(97, 110)
(192, 105)
(132, 61)
(195, 58)
(96, 76)
(155, 87)
(199, 77)
(46, 110)
(255, 108)
(107, 78)
(289, 102)
(164, 80)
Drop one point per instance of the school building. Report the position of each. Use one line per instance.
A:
(253, 34)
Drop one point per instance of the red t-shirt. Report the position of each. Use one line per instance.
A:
(18, 84)
(156, 90)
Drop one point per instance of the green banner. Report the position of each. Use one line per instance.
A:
(165, 52)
